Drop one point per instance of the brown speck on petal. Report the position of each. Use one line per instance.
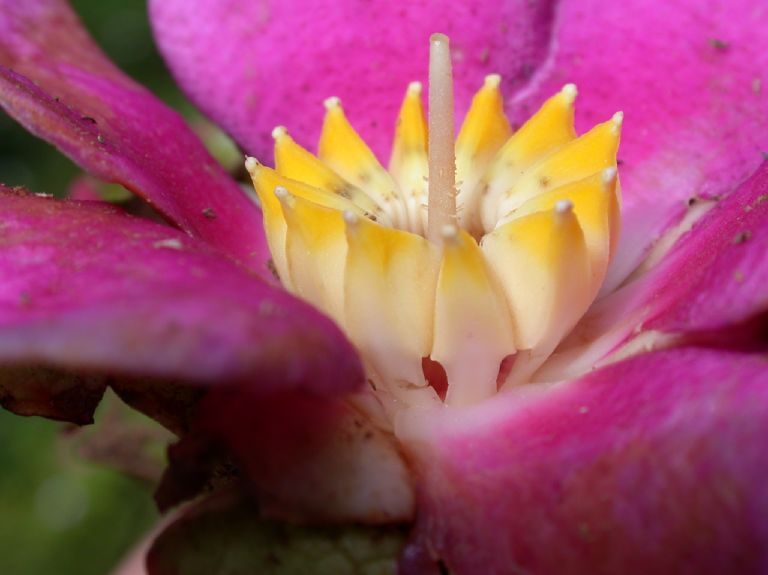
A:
(742, 237)
(718, 44)
(209, 213)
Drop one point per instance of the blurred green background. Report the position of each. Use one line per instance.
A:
(58, 514)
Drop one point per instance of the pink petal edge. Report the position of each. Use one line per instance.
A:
(284, 58)
(57, 83)
(89, 289)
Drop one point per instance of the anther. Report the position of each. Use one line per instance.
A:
(415, 88)
(251, 164)
(332, 102)
(350, 218)
(570, 92)
(609, 175)
(493, 80)
(449, 232)
(281, 193)
(279, 131)
(563, 207)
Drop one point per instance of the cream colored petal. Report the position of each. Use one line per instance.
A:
(268, 179)
(542, 263)
(348, 155)
(473, 326)
(484, 131)
(316, 248)
(296, 163)
(390, 299)
(589, 154)
(409, 164)
(596, 205)
(547, 130)
(274, 222)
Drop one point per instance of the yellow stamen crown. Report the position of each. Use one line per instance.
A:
(537, 223)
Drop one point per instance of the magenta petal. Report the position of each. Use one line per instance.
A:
(283, 58)
(87, 289)
(716, 277)
(691, 79)
(56, 82)
(653, 465)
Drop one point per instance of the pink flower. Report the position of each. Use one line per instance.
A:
(646, 456)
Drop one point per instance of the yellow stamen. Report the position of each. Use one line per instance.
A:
(538, 215)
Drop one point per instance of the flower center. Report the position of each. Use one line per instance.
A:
(476, 257)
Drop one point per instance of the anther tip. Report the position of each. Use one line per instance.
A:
(332, 102)
(279, 131)
(618, 119)
(609, 175)
(415, 88)
(281, 192)
(251, 164)
(493, 80)
(563, 207)
(570, 92)
(449, 232)
(350, 217)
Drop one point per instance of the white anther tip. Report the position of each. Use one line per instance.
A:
(332, 102)
(570, 92)
(281, 192)
(415, 87)
(618, 118)
(350, 217)
(251, 164)
(279, 131)
(563, 207)
(609, 175)
(449, 232)
(493, 80)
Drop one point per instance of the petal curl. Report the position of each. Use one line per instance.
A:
(57, 83)
(87, 289)
(691, 78)
(284, 58)
(653, 465)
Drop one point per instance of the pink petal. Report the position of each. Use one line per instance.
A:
(87, 289)
(653, 465)
(56, 82)
(253, 65)
(311, 459)
(691, 79)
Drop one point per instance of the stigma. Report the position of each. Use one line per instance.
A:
(477, 253)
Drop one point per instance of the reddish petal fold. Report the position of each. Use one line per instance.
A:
(652, 465)
(87, 289)
(56, 82)
(691, 79)
(282, 59)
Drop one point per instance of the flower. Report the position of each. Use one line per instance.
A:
(651, 463)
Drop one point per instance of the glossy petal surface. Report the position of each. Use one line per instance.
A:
(57, 83)
(87, 289)
(691, 78)
(284, 58)
(653, 465)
